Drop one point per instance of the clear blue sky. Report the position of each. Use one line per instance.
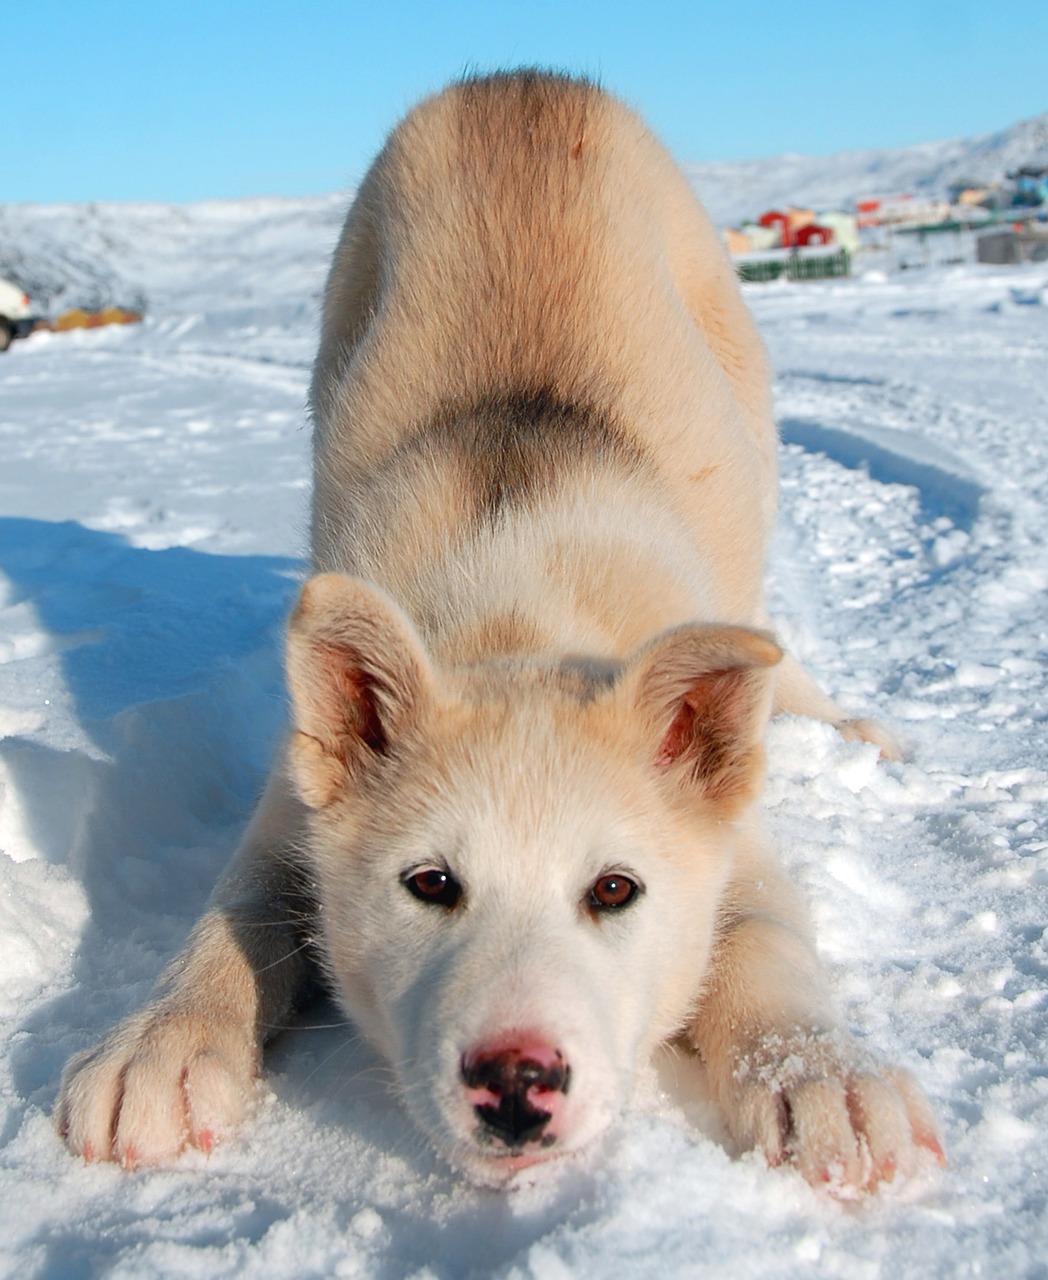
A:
(134, 99)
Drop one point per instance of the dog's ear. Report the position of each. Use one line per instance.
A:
(359, 678)
(704, 694)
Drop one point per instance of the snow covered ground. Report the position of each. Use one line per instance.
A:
(153, 494)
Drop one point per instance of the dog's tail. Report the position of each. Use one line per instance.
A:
(796, 692)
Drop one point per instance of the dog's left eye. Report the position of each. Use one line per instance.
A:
(435, 886)
(612, 892)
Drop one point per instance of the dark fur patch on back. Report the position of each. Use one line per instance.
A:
(517, 445)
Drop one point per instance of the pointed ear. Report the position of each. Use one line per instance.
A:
(704, 693)
(359, 678)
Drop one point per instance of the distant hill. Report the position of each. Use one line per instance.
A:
(746, 188)
(171, 257)
(267, 251)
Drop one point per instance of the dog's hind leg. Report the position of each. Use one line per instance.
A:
(179, 1072)
(797, 693)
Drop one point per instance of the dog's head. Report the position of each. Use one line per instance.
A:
(519, 863)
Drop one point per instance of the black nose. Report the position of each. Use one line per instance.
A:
(514, 1085)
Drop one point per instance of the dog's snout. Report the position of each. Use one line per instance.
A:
(516, 1090)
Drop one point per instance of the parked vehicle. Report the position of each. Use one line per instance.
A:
(16, 320)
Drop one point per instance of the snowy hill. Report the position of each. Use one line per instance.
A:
(171, 258)
(746, 188)
(276, 249)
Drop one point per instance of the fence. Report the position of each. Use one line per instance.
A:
(794, 264)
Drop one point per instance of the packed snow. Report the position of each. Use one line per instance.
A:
(153, 502)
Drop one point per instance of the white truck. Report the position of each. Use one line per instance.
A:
(16, 320)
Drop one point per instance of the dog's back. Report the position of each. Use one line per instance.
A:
(524, 251)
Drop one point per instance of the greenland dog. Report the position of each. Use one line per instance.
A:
(513, 824)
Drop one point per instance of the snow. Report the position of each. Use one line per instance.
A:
(153, 497)
(254, 251)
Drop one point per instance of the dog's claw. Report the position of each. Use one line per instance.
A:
(931, 1143)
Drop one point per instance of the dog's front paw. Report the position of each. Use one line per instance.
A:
(168, 1078)
(843, 1120)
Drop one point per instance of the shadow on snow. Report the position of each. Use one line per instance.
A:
(944, 482)
(171, 660)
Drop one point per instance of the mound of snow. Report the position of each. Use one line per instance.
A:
(170, 258)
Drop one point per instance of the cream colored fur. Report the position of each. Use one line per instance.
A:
(533, 656)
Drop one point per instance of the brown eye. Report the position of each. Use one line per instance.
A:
(434, 886)
(612, 892)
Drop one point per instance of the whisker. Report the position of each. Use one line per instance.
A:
(286, 956)
(305, 1026)
(340, 1048)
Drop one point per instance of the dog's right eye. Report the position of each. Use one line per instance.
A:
(612, 892)
(435, 886)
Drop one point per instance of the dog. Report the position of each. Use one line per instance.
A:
(513, 826)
